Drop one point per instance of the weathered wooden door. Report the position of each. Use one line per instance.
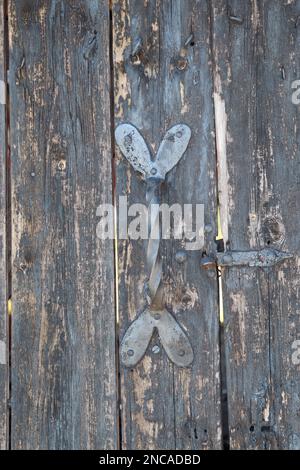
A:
(70, 73)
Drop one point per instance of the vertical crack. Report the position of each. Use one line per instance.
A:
(8, 234)
(116, 277)
(221, 237)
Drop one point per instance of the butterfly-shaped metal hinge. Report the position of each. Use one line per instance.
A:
(155, 316)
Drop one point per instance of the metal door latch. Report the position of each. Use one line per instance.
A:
(260, 258)
(136, 339)
(263, 258)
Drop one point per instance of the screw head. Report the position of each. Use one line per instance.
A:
(130, 352)
(180, 256)
(155, 349)
(153, 171)
(181, 352)
(157, 316)
(32, 174)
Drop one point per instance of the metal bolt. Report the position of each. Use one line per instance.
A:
(157, 316)
(180, 256)
(208, 228)
(155, 349)
(207, 262)
(181, 63)
(181, 352)
(130, 352)
(153, 171)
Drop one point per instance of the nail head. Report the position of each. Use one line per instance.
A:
(180, 256)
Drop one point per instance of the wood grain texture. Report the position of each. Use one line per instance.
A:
(160, 81)
(63, 328)
(256, 50)
(4, 383)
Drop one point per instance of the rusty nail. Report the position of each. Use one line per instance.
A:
(236, 19)
(181, 63)
(189, 39)
(137, 48)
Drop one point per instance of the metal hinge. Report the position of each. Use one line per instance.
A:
(264, 258)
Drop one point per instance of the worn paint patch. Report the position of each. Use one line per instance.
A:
(221, 131)
(2, 353)
(122, 42)
(2, 92)
(252, 229)
(184, 106)
(238, 307)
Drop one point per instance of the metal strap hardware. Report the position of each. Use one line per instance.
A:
(261, 258)
(264, 258)
(155, 316)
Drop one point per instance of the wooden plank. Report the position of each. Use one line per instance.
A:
(160, 81)
(4, 382)
(256, 50)
(63, 327)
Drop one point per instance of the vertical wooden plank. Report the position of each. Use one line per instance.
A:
(162, 79)
(256, 49)
(3, 249)
(63, 327)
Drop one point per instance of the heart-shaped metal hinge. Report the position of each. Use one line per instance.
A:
(155, 316)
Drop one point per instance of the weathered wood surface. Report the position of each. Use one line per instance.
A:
(256, 60)
(63, 328)
(160, 81)
(3, 246)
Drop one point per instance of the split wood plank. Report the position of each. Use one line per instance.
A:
(4, 378)
(163, 76)
(256, 52)
(64, 393)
